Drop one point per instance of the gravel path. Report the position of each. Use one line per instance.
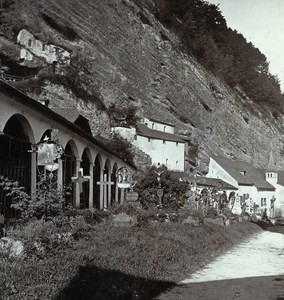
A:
(251, 270)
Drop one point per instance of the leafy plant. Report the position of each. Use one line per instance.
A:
(173, 190)
(47, 202)
(13, 193)
(121, 146)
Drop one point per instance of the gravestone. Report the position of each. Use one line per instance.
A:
(124, 220)
(131, 196)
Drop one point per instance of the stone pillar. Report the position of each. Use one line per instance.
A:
(60, 174)
(77, 185)
(33, 174)
(102, 189)
(91, 186)
(105, 191)
(116, 191)
(122, 196)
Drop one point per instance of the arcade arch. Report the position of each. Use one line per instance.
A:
(15, 158)
(97, 178)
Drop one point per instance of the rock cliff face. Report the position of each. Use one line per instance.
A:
(123, 55)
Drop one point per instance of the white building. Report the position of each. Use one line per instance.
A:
(250, 182)
(157, 139)
(277, 180)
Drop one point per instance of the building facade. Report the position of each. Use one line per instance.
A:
(250, 182)
(83, 163)
(157, 139)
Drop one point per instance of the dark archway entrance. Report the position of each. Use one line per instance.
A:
(113, 187)
(15, 161)
(84, 193)
(97, 177)
(69, 170)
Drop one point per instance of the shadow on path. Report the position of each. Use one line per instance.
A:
(272, 228)
(258, 288)
(95, 283)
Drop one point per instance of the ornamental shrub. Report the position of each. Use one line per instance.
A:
(47, 202)
(174, 191)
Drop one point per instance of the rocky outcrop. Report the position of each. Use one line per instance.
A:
(127, 56)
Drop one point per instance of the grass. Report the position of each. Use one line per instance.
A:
(109, 262)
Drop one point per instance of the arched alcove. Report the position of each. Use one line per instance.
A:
(97, 177)
(107, 174)
(69, 170)
(15, 158)
(85, 165)
(114, 186)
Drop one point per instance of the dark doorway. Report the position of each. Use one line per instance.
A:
(69, 170)
(84, 193)
(15, 161)
(113, 187)
(97, 172)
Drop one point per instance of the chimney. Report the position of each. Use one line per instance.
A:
(44, 102)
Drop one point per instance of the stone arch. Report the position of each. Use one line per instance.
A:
(98, 165)
(15, 158)
(114, 188)
(69, 161)
(85, 166)
(14, 121)
(107, 175)
(74, 148)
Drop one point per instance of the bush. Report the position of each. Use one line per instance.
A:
(128, 208)
(48, 201)
(174, 196)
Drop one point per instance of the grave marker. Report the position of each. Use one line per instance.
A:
(105, 183)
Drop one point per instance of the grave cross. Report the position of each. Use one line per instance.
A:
(105, 183)
(80, 179)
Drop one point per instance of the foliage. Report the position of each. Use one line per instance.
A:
(174, 190)
(125, 116)
(121, 147)
(48, 201)
(205, 34)
(15, 14)
(13, 189)
(127, 207)
(161, 252)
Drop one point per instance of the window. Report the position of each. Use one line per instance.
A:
(153, 125)
(263, 201)
(149, 140)
(165, 127)
(176, 143)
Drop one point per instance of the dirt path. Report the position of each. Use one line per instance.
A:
(251, 270)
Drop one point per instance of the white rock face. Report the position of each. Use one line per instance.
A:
(32, 46)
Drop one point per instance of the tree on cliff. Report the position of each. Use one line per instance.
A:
(225, 52)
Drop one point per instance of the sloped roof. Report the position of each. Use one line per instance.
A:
(20, 97)
(206, 181)
(69, 113)
(244, 173)
(159, 121)
(143, 130)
